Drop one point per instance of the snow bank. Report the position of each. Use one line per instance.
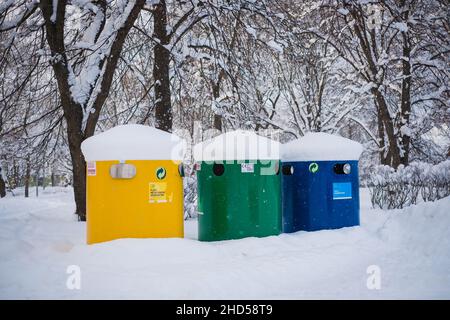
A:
(133, 142)
(237, 145)
(319, 146)
(40, 238)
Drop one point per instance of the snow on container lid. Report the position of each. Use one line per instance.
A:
(237, 145)
(319, 146)
(133, 142)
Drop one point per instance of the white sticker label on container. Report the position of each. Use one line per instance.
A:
(91, 168)
(247, 167)
(158, 193)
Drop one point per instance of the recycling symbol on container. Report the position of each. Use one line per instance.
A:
(313, 167)
(160, 173)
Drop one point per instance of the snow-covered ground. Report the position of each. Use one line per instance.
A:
(40, 238)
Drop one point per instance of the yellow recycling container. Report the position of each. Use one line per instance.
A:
(134, 184)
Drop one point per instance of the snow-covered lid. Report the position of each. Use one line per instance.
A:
(237, 145)
(133, 142)
(319, 146)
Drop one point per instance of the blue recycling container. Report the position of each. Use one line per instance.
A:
(320, 185)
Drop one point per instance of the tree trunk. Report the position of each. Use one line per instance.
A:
(384, 155)
(79, 181)
(27, 179)
(16, 177)
(75, 138)
(405, 110)
(43, 177)
(161, 68)
(388, 125)
(73, 111)
(217, 123)
(2, 185)
(368, 49)
(37, 183)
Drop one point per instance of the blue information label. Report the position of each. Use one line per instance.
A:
(342, 190)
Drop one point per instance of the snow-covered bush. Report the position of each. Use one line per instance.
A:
(190, 192)
(393, 189)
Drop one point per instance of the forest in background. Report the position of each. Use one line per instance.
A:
(374, 71)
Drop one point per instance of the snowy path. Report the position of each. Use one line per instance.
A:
(40, 238)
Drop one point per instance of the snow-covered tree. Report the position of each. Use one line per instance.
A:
(398, 52)
(82, 41)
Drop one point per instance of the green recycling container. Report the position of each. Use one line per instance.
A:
(239, 197)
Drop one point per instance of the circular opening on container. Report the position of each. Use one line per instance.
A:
(287, 170)
(181, 170)
(218, 169)
(347, 168)
(342, 168)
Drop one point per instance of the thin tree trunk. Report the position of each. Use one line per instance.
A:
(53, 178)
(216, 94)
(37, 183)
(16, 178)
(384, 154)
(27, 179)
(406, 99)
(43, 177)
(163, 106)
(2, 185)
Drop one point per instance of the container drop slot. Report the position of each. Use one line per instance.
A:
(218, 169)
(288, 170)
(342, 168)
